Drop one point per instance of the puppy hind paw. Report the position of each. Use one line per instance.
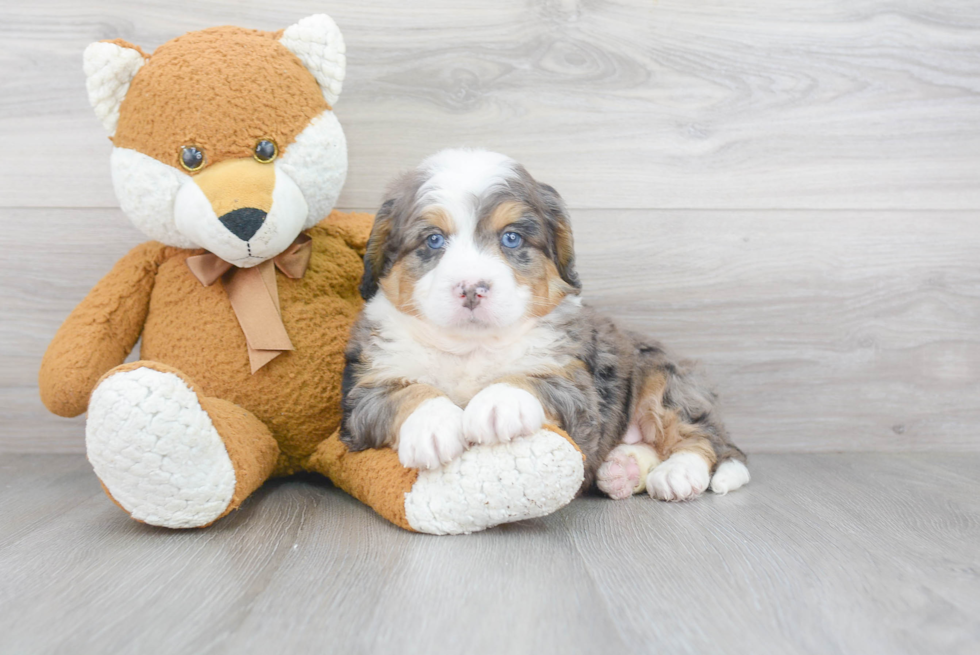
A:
(619, 476)
(625, 470)
(730, 475)
(683, 476)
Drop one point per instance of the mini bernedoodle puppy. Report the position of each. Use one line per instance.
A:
(474, 332)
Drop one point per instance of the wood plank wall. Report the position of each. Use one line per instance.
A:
(789, 192)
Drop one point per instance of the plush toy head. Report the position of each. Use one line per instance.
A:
(224, 139)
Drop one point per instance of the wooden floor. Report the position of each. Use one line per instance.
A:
(821, 553)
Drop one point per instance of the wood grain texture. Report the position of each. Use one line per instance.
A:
(823, 330)
(625, 104)
(859, 553)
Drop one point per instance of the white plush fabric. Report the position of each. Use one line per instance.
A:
(146, 189)
(489, 485)
(318, 43)
(317, 162)
(156, 450)
(109, 69)
(167, 205)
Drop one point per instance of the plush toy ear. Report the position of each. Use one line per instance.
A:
(109, 68)
(318, 43)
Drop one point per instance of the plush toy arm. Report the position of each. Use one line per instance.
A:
(353, 227)
(100, 332)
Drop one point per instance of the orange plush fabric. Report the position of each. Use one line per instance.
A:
(263, 90)
(375, 477)
(193, 329)
(297, 395)
(101, 331)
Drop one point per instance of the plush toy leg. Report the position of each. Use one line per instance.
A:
(486, 486)
(168, 455)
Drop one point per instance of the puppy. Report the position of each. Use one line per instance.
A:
(474, 332)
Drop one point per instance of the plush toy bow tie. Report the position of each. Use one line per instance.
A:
(255, 297)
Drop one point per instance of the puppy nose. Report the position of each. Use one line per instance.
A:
(472, 294)
(243, 222)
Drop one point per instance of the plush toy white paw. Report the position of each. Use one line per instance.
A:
(432, 435)
(500, 413)
(489, 485)
(683, 476)
(155, 449)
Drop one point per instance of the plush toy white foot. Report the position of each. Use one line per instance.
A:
(492, 484)
(156, 450)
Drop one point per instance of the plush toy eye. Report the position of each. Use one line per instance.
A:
(191, 158)
(265, 151)
(436, 241)
(511, 240)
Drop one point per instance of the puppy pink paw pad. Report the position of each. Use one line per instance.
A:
(618, 476)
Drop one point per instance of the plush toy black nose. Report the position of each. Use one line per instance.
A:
(244, 222)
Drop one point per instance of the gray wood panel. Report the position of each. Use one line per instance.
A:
(858, 553)
(627, 104)
(823, 330)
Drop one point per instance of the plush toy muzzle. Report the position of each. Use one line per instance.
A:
(243, 211)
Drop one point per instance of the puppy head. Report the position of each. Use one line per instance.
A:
(470, 240)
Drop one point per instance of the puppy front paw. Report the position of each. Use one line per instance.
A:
(431, 435)
(683, 476)
(501, 412)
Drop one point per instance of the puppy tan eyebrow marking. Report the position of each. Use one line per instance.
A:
(440, 218)
(505, 214)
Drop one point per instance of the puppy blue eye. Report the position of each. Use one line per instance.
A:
(436, 241)
(511, 240)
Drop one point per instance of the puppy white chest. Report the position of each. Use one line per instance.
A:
(463, 376)
(458, 368)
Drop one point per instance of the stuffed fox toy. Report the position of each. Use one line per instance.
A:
(228, 155)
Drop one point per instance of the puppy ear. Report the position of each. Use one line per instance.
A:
(109, 68)
(563, 249)
(376, 258)
(318, 43)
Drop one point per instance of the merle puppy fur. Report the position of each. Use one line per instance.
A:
(474, 332)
